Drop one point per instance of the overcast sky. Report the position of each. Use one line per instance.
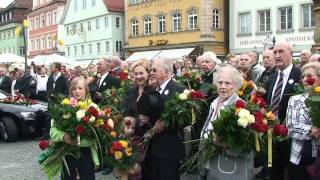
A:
(4, 3)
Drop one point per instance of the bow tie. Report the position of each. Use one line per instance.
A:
(43, 76)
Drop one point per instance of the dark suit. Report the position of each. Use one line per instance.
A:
(22, 84)
(281, 150)
(108, 82)
(61, 86)
(5, 84)
(167, 148)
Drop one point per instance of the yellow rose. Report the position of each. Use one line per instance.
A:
(270, 116)
(240, 93)
(123, 143)
(118, 155)
(317, 89)
(99, 123)
(129, 151)
(242, 122)
(183, 96)
(251, 119)
(83, 105)
(66, 102)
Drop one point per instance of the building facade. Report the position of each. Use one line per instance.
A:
(254, 25)
(11, 17)
(158, 25)
(93, 28)
(44, 29)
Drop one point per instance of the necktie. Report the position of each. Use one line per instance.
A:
(277, 94)
(98, 81)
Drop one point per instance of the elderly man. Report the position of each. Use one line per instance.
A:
(198, 63)
(208, 66)
(167, 148)
(304, 57)
(104, 82)
(256, 68)
(279, 89)
(5, 81)
(270, 66)
(115, 63)
(315, 58)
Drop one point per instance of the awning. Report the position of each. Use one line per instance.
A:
(175, 53)
(143, 54)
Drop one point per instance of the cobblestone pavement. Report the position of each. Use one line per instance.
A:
(19, 161)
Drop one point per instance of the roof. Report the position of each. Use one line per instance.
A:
(114, 5)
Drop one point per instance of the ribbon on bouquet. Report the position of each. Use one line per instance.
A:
(193, 116)
(269, 147)
(78, 139)
(257, 143)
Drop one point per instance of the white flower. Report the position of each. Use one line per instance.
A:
(110, 123)
(187, 92)
(243, 122)
(92, 119)
(251, 119)
(183, 96)
(243, 113)
(80, 114)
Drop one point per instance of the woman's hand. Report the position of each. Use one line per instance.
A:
(315, 132)
(143, 120)
(67, 139)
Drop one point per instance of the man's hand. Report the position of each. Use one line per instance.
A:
(158, 127)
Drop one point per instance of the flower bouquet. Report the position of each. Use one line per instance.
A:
(18, 99)
(192, 79)
(312, 102)
(84, 122)
(246, 90)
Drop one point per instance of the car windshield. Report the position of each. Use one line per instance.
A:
(2, 95)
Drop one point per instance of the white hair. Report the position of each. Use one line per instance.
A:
(212, 56)
(166, 64)
(236, 76)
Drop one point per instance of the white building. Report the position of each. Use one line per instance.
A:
(254, 23)
(93, 28)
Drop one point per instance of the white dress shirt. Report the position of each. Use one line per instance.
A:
(286, 74)
(102, 78)
(163, 85)
(42, 82)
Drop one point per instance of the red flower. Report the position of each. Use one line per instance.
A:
(34, 101)
(197, 95)
(93, 111)
(311, 80)
(186, 75)
(123, 76)
(262, 103)
(107, 110)
(117, 146)
(43, 144)
(105, 125)
(258, 116)
(79, 129)
(280, 130)
(260, 127)
(86, 119)
(240, 104)
(111, 151)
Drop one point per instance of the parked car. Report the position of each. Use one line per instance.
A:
(20, 119)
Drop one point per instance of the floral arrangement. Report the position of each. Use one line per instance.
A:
(246, 90)
(82, 120)
(312, 102)
(192, 79)
(18, 99)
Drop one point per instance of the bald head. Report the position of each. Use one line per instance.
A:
(268, 59)
(315, 58)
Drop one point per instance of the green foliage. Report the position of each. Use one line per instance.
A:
(313, 103)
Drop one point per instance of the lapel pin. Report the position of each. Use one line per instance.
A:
(104, 83)
(291, 81)
(166, 92)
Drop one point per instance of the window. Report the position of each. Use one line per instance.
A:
(98, 48)
(75, 50)
(84, 4)
(82, 49)
(216, 19)
(176, 22)
(90, 48)
(285, 18)
(118, 46)
(68, 30)
(55, 20)
(68, 51)
(245, 23)
(49, 42)
(117, 22)
(147, 26)
(134, 28)
(308, 17)
(193, 20)
(43, 43)
(32, 45)
(10, 15)
(134, 2)
(22, 51)
(73, 29)
(9, 34)
(37, 44)
(43, 21)
(49, 18)
(107, 46)
(161, 24)
(93, 3)
(97, 24)
(106, 22)
(81, 27)
(89, 25)
(37, 23)
(264, 21)
(9, 49)
(31, 24)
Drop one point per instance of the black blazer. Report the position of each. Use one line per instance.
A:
(61, 86)
(169, 144)
(108, 83)
(6, 84)
(294, 75)
(22, 84)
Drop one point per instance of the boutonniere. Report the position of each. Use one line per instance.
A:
(291, 81)
(104, 84)
(166, 92)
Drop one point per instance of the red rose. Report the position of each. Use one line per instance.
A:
(105, 125)
(93, 111)
(240, 104)
(284, 131)
(197, 95)
(86, 119)
(79, 129)
(280, 130)
(117, 146)
(43, 144)
(260, 127)
(262, 103)
(186, 75)
(311, 80)
(123, 76)
(258, 116)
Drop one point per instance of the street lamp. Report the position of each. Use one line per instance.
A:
(268, 40)
(24, 30)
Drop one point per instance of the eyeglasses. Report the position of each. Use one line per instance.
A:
(153, 70)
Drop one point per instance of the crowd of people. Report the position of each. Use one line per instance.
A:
(156, 78)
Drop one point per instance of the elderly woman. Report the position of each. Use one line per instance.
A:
(228, 164)
(304, 135)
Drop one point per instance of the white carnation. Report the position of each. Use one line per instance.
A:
(80, 114)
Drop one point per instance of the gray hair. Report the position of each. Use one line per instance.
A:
(166, 64)
(236, 76)
(312, 65)
(211, 55)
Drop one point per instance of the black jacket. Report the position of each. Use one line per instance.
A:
(22, 84)
(287, 93)
(169, 144)
(5, 84)
(61, 86)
